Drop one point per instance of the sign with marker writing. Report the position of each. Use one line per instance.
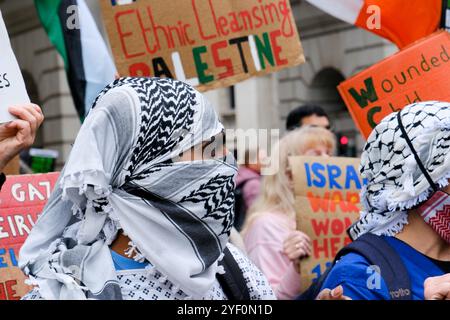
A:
(12, 85)
(206, 43)
(327, 203)
(22, 199)
(416, 73)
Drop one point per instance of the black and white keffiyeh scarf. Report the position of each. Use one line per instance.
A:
(120, 176)
(395, 182)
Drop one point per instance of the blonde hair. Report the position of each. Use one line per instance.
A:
(276, 192)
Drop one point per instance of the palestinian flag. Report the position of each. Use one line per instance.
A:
(72, 29)
(402, 21)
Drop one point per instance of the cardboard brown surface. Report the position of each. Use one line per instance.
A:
(206, 43)
(327, 203)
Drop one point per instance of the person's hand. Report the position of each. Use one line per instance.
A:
(297, 245)
(335, 294)
(20, 133)
(437, 288)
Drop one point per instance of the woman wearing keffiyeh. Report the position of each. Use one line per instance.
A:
(406, 201)
(128, 178)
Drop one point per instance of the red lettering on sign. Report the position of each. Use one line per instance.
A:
(320, 226)
(320, 246)
(200, 28)
(276, 48)
(124, 35)
(227, 63)
(7, 292)
(332, 202)
(328, 248)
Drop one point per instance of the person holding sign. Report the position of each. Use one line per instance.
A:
(144, 205)
(20, 133)
(406, 209)
(270, 232)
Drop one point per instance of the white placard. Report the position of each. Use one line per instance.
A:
(12, 86)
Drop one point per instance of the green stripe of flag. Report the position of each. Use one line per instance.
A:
(48, 14)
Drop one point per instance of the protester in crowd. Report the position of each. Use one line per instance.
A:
(19, 134)
(144, 206)
(406, 162)
(307, 115)
(270, 233)
(248, 184)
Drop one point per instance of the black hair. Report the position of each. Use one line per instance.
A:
(295, 117)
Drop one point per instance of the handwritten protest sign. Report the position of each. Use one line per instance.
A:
(206, 43)
(417, 73)
(327, 203)
(21, 201)
(12, 86)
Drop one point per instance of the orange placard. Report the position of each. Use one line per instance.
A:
(420, 72)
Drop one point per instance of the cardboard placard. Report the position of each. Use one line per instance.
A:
(12, 85)
(206, 43)
(416, 73)
(327, 203)
(22, 199)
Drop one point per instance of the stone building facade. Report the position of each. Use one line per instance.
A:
(334, 51)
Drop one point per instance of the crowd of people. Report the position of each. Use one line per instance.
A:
(144, 208)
